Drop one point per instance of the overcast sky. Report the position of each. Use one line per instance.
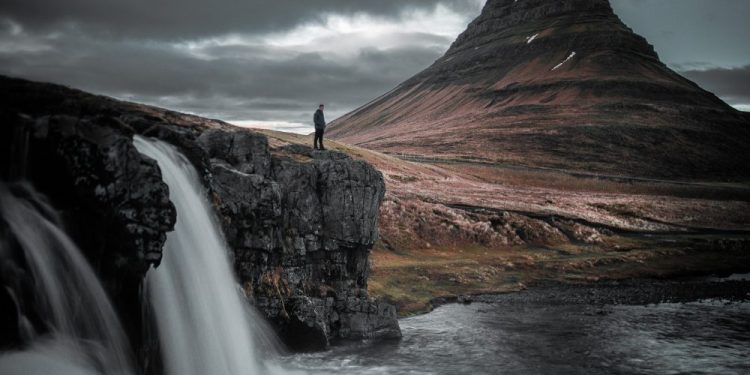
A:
(271, 63)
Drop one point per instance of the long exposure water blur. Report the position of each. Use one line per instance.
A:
(710, 337)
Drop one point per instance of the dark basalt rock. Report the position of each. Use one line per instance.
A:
(98, 157)
(300, 231)
(301, 234)
(113, 200)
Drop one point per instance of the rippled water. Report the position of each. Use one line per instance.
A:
(711, 337)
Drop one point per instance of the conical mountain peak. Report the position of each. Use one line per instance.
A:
(555, 83)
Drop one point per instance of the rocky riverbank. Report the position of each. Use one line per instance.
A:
(605, 327)
(623, 292)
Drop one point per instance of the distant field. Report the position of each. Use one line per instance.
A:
(451, 227)
(520, 177)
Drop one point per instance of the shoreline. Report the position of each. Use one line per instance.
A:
(421, 280)
(632, 292)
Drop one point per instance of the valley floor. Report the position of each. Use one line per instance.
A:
(420, 280)
(452, 228)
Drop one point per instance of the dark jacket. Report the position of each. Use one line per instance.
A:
(319, 120)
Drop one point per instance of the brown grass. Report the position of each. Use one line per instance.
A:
(569, 182)
(431, 247)
(412, 280)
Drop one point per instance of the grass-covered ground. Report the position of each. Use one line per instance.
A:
(451, 228)
(412, 280)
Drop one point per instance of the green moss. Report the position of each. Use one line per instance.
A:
(414, 279)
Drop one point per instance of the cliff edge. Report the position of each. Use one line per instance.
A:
(300, 223)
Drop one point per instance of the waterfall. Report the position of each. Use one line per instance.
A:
(201, 318)
(84, 335)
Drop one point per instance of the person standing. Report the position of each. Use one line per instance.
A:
(320, 127)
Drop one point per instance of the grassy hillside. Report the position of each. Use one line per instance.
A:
(450, 228)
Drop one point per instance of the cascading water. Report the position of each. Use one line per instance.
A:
(82, 334)
(201, 319)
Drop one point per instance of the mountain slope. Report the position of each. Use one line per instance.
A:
(561, 84)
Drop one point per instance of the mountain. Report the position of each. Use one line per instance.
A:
(560, 84)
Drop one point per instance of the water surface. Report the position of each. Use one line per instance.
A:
(708, 337)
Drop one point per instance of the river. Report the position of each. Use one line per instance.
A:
(512, 337)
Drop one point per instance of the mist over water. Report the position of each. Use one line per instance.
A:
(82, 333)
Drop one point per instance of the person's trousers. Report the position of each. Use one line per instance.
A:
(318, 138)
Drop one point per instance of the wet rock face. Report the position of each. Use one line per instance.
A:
(301, 232)
(113, 201)
(300, 225)
(350, 190)
(112, 195)
(123, 188)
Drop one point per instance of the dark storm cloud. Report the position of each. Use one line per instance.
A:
(220, 59)
(706, 41)
(236, 82)
(688, 31)
(180, 54)
(187, 19)
(733, 84)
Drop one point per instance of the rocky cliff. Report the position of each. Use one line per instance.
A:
(556, 83)
(300, 223)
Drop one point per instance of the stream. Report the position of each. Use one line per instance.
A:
(700, 337)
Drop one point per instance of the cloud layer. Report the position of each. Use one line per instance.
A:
(271, 63)
(238, 61)
(732, 83)
(194, 19)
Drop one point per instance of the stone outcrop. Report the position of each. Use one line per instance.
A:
(113, 200)
(300, 223)
(559, 84)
